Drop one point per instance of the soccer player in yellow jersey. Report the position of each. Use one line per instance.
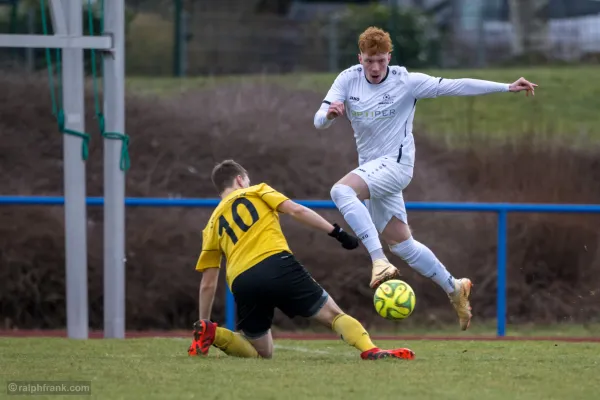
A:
(263, 273)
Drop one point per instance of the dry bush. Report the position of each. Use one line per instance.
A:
(553, 261)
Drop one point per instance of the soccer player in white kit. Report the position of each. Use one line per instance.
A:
(380, 102)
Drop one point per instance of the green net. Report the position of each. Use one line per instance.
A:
(57, 95)
(125, 161)
(56, 91)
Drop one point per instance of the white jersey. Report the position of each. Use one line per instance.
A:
(382, 114)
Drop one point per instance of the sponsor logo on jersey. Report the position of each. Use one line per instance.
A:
(379, 114)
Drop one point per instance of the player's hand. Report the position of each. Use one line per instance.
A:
(336, 109)
(523, 84)
(348, 241)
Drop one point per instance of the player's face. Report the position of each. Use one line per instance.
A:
(375, 65)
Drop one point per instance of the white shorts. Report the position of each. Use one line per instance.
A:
(386, 180)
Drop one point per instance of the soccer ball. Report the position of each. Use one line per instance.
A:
(394, 299)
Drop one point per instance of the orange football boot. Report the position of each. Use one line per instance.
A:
(376, 354)
(204, 337)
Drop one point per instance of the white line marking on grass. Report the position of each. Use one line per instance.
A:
(300, 349)
(294, 348)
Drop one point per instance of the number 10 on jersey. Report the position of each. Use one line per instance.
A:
(224, 225)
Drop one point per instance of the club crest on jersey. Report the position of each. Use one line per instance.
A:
(387, 99)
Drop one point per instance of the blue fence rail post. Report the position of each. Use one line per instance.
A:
(501, 209)
(229, 310)
(501, 256)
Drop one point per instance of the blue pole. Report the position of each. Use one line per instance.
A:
(501, 276)
(229, 310)
(322, 204)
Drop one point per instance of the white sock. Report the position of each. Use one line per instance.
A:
(420, 258)
(357, 216)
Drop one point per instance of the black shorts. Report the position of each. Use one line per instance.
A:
(278, 281)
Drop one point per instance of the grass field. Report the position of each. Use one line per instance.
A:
(565, 104)
(488, 329)
(160, 368)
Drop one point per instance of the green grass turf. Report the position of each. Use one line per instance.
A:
(160, 369)
(566, 103)
(488, 328)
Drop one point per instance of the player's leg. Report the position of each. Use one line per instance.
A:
(347, 194)
(352, 332)
(263, 344)
(419, 257)
(208, 333)
(255, 309)
(300, 295)
(254, 319)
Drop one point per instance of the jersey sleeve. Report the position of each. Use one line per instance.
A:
(424, 86)
(337, 92)
(271, 196)
(210, 257)
(338, 89)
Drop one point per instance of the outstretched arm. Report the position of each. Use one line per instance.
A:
(305, 215)
(425, 86)
(308, 217)
(208, 288)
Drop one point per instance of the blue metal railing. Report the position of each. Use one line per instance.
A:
(501, 209)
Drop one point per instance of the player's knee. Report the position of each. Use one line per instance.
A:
(408, 250)
(264, 349)
(396, 232)
(339, 193)
(266, 353)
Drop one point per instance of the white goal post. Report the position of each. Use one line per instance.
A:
(67, 23)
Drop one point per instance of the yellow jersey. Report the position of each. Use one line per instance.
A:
(245, 228)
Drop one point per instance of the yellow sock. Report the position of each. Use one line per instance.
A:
(234, 344)
(352, 332)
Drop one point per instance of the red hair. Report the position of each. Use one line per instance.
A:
(375, 41)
